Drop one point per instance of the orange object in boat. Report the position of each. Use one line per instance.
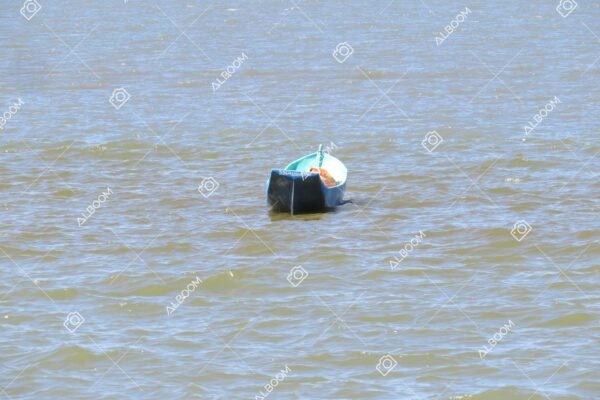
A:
(325, 176)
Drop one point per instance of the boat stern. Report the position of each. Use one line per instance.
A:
(295, 191)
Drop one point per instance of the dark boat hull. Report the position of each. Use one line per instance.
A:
(301, 192)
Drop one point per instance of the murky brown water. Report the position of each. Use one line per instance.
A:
(120, 279)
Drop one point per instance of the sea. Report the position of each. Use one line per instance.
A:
(139, 258)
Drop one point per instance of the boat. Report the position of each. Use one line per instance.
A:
(313, 183)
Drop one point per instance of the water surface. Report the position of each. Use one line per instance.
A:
(468, 285)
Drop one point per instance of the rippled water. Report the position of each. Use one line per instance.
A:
(470, 312)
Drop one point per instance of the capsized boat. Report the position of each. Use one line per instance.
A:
(315, 182)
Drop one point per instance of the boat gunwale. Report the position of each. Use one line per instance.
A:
(316, 153)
